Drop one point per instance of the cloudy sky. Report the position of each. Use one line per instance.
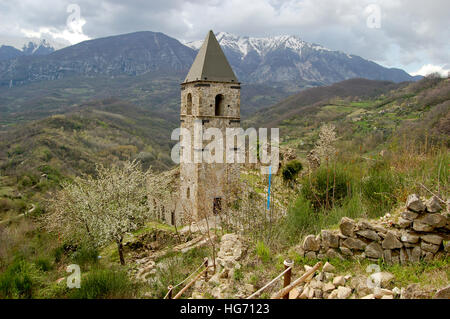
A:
(409, 34)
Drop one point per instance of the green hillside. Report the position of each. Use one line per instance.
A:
(366, 114)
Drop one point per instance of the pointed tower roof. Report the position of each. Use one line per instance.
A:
(210, 64)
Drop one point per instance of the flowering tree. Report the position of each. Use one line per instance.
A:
(324, 148)
(102, 209)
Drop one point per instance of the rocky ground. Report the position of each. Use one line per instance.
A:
(420, 232)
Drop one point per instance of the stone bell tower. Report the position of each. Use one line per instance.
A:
(210, 95)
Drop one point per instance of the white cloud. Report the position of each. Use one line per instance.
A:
(411, 33)
(430, 68)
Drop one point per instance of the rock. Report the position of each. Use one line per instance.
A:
(427, 256)
(387, 256)
(391, 242)
(346, 251)
(299, 250)
(329, 239)
(347, 226)
(416, 252)
(343, 292)
(294, 293)
(318, 293)
(328, 267)
(339, 281)
(311, 243)
(404, 223)
(413, 291)
(434, 220)
(443, 293)
(387, 297)
(419, 226)
(230, 251)
(432, 239)
(332, 253)
(310, 276)
(415, 204)
(380, 293)
(409, 238)
(321, 256)
(315, 284)
(433, 205)
(369, 234)
(310, 255)
(374, 250)
(305, 293)
(333, 294)
(447, 247)
(395, 259)
(429, 247)
(404, 257)
(409, 215)
(370, 296)
(396, 291)
(384, 278)
(328, 276)
(320, 276)
(353, 243)
(328, 287)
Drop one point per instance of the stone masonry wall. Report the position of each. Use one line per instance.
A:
(420, 232)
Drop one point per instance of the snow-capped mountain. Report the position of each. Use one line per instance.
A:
(289, 59)
(262, 46)
(12, 47)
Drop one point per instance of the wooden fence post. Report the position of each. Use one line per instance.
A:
(296, 282)
(206, 267)
(287, 275)
(169, 294)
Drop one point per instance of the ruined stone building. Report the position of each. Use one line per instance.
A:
(210, 95)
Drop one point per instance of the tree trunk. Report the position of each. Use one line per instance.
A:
(120, 249)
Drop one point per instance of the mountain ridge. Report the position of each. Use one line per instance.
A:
(283, 60)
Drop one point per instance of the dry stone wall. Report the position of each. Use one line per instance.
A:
(420, 232)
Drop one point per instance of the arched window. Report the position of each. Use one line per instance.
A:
(189, 104)
(219, 110)
(188, 193)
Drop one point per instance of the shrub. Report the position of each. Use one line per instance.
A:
(326, 187)
(378, 188)
(104, 283)
(290, 170)
(300, 219)
(85, 254)
(43, 263)
(18, 280)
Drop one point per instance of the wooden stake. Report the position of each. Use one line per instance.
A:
(178, 295)
(287, 289)
(287, 275)
(206, 268)
(169, 294)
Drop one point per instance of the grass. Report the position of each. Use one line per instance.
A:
(263, 252)
(105, 284)
(174, 267)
